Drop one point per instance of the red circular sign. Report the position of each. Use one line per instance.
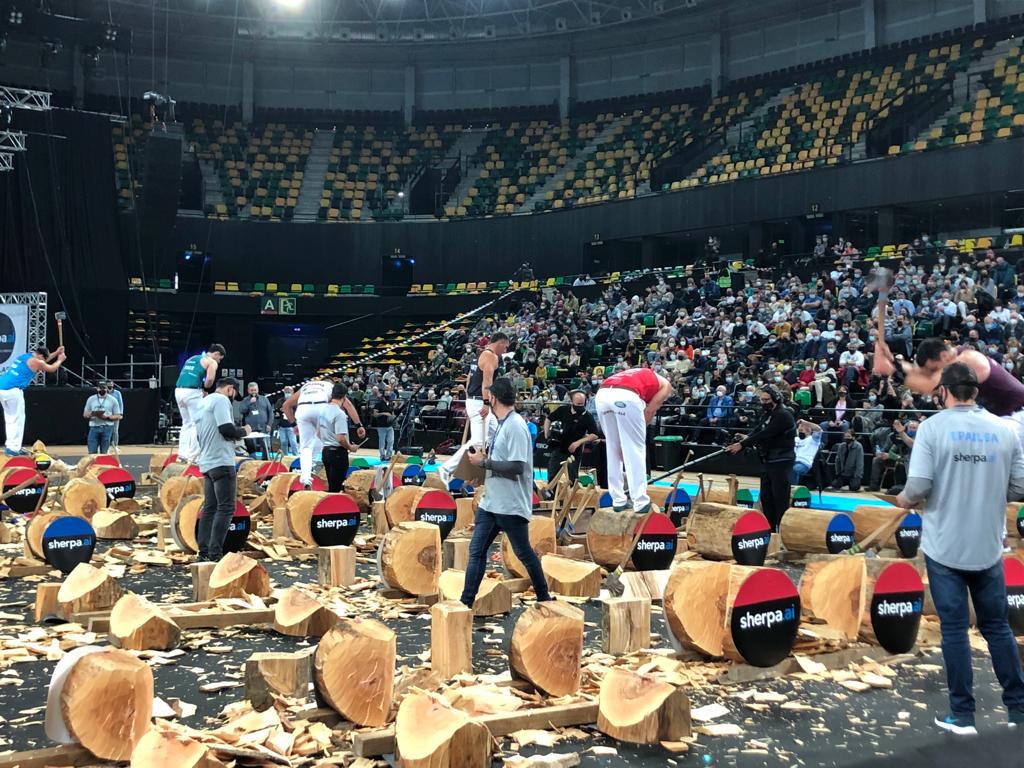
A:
(268, 470)
(765, 617)
(316, 484)
(896, 607)
(439, 508)
(25, 462)
(106, 460)
(1013, 570)
(750, 537)
(656, 547)
(119, 483)
(335, 521)
(238, 530)
(28, 498)
(169, 460)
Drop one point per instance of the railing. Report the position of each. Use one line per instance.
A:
(126, 375)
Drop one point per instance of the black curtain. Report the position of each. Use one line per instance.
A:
(59, 233)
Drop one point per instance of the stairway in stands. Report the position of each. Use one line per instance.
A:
(313, 178)
(603, 136)
(465, 147)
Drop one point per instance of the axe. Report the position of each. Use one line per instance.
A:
(60, 317)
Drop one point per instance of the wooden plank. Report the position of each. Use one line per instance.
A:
(19, 571)
(201, 620)
(382, 741)
(515, 586)
(66, 754)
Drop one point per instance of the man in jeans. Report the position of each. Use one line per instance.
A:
(965, 465)
(289, 442)
(216, 433)
(508, 493)
(103, 412)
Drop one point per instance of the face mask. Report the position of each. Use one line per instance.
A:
(578, 409)
(776, 379)
(802, 436)
(767, 406)
(872, 398)
(848, 438)
(992, 350)
(728, 379)
(911, 433)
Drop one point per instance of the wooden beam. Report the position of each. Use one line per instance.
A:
(20, 571)
(201, 620)
(64, 755)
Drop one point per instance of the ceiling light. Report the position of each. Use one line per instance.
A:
(290, 5)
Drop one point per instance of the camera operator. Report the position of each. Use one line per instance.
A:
(568, 428)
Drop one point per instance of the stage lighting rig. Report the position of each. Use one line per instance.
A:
(15, 17)
(3, 42)
(49, 50)
(12, 141)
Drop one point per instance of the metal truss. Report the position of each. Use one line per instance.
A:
(37, 304)
(6, 162)
(22, 98)
(12, 141)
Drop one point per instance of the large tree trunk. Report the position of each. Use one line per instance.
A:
(83, 497)
(431, 733)
(639, 709)
(833, 591)
(354, 669)
(172, 491)
(138, 625)
(816, 531)
(237, 576)
(546, 647)
(609, 535)
(112, 525)
(88, 588)
(572, 578)
(492, 599)
(542, 538)
(300, 615)
(165, 748)
(34, 532)
(300, 508)
(409, 558)
(710, 529)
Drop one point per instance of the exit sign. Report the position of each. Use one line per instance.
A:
(281, 305)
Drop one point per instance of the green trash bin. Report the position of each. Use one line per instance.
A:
(668, 451)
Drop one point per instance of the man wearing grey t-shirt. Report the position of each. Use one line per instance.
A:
(216, 433)
(507, 504)
(965, 465)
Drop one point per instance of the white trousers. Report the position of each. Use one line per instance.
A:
(621, 413)
(13, 402)
(480, 432)
(188, 406)
(307, 419)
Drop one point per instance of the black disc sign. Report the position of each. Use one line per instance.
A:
(238, 530)
(68, 541)
(656, 547)
(335, 521)
(678, 504)
(908, 535)
(840, 534)
(439, 508)
(1013, 570)
(750, 537)
(1020, 522)
(896, 607)
(28, 498)
(413, 475)
(765, 617)
(119, 483)
(315, 484)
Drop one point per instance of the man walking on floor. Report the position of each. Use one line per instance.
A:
(966, 464)
(288, 444)
(198, 373)
(12, 391)
(333, 432)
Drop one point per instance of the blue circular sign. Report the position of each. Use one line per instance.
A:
(839, 535)
(68, 541)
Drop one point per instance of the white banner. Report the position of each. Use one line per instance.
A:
(13, 333)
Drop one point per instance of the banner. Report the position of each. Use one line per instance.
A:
(13, 333)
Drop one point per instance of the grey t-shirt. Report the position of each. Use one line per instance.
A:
(503, 496)
(107, 404)
(333, 421)
(975, 463)
(214, 450)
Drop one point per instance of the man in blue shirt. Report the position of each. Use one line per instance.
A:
(115, 438)
(12, 397)
(719, 412)
(102, 411)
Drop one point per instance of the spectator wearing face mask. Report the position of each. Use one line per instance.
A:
(849, 463)
(719, 412)
(808, 443)
(838, 423)
(577, 429)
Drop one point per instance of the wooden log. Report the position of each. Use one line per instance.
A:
(300, 508)
(709, 529)
(833, 591)
(46, 605)
(301, 615)
(546, 647)
(639, 709)
(867, 518)
(125, 504)
(281, 529)
(717, 493)
(455, 553)
(171, 748)
(572, 551)
(279, 486)
(138, 625)
(609, 535)
(625, 625)
(465, 513)
(172, 491)
(157, 461)
(87, 588)
(359, 485)
(237, 576)
(34, 533)
(270, 675)
(379, 518)
(807, 531)
(571, 578)
(354, 670)
(336, 566)
(184, 518)
(409, 558)
(431, 733)
(106, 702)
(542, 538)
(451, 638)
(48, 757)
(201, 581)
(492, 599)
(113, 525)
(83, 497)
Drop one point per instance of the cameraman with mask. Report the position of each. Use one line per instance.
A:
(576, 428)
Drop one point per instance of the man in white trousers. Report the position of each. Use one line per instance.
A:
(12, 391)
(197, 374)
(304, 407)
(481, 421)
(626, 402)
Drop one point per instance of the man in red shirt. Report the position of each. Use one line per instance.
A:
(625, 403)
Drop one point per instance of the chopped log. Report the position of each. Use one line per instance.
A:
(546, 647)
(157, 461)
(278, 487)
(625, 625)
(354, 670)
(465, 512)
(868, 518)
(125, 505)
(718, 495)
(409, 558)
(34, 533)
(299, 507)
(455, 553)
(572, 551)
(572, 578)
(237, 576)
(106, 702)
(807, 531)
(492, 599)
(359, 485)
(542, 538)
(411, 502)
(201, 581)
(88, 588)
(640, 709)
(172, 491)
(709, 529)
(138, 625)
(269, 675)
(84, 465)
(280, 529)
(336, 566)
(184, 518)
(113, 525)
(160, 748)
(431, 733)
(692, 604)
(82, 497)
(46, 604)
(451, 638)
(301, 615)
(609, 535)
(833, 591)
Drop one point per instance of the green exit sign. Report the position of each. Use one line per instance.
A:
(278, 305)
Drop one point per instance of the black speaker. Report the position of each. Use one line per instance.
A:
(161, 185)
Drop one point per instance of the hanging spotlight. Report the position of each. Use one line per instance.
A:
(15, 17)
(3, 42)
(90, 59)
(111, 34)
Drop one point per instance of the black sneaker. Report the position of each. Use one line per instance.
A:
(1016, 717)
(307, 486)
(961, 725)
(620, 507)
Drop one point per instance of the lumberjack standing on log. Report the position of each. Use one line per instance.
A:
(626, 402)
(304, 408)
(775, 439)
(198, 373)
(507, 504)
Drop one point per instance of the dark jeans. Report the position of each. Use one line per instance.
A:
(555, 461)
(260, 446)
(949, 589)
(485, 531)
(218, 509)
(99, 438)
(335, 460)
(776, 490)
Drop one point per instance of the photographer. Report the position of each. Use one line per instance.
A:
(575, 428)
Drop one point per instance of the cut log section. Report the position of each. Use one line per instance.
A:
(46, 605)
(299, 507)
(430, 733)
(359, 485)
(493, 598)
(34, 533)
(113, 525)
(639, 709)
(571, 578)
(269, 675)
(409, 558)
(609, 535)
(542, 538)
(106, 702)
(625, 625)
(833, 591)
(336, 566)
(429, 505)
(172, 491)
(712, 530)
(868, 518)
(716, 492)
(237, 576)
(184, 518)
(451, 638)
(546, 647)
(354, 670)
(138, 625)
(160, 748)
(88, 588)
(83, 497)
(816, 531)
(279, 487)
(85, 465)
(301, 615)
(159, 460)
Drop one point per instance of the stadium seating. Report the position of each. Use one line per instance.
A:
(129, 159)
